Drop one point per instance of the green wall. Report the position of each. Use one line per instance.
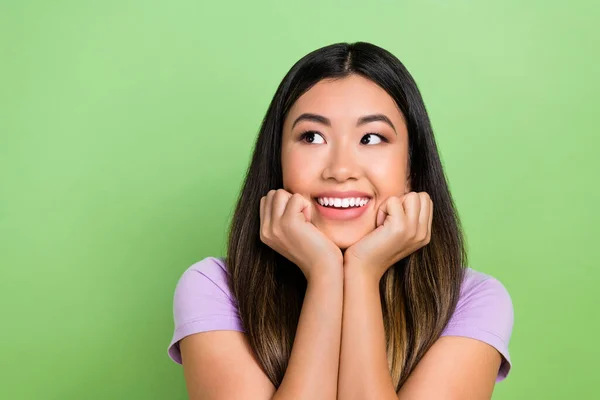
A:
(126, 128)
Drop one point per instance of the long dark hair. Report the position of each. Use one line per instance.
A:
(418, 294)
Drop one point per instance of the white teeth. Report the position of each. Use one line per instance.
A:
(342, 203)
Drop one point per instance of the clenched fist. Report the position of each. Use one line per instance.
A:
(286, 227)
(403, 226)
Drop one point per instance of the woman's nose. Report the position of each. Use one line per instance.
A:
(341, 164)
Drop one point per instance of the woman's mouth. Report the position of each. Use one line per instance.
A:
(341, 208)
(337, 202)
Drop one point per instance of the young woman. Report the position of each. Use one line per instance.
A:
(346, 274)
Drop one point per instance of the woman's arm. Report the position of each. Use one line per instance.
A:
(312, 371)
(454, 367)
(313, 364)
(221, 364)
(364, 371)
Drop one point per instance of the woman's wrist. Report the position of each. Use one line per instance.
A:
(329, 270)
(355, 271)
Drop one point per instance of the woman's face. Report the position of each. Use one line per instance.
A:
(345, 143)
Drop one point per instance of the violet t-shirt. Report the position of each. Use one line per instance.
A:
(203, 302)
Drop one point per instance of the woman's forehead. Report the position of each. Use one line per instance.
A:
(348, 98)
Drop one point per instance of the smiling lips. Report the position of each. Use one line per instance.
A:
(342, 205)
(338, 202)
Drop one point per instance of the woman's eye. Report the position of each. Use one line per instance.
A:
(372, 138)
(312, 137)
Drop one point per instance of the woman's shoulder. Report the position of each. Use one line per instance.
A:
(478, 286)
(202, 302)
(473, 278)
(206, 274)
(484, 312)
(209, 264)
(484, 297)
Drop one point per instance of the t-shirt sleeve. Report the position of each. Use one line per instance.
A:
(202, 302)
(485, 312)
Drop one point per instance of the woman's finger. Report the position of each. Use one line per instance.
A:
(412, 207)
(392, 207)
(295, 206)
(268, 206)
(430, 226)
(280, 200)
(423, 216)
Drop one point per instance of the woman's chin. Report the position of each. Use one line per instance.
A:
(343, 244)
(343, 241)
(344, 237)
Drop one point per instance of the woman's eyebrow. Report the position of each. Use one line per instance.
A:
(312, 117)
(361, 121)
(376, 117)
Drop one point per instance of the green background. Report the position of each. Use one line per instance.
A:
(126, 128)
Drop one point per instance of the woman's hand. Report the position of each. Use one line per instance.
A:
(403, 226)
(286, 227)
